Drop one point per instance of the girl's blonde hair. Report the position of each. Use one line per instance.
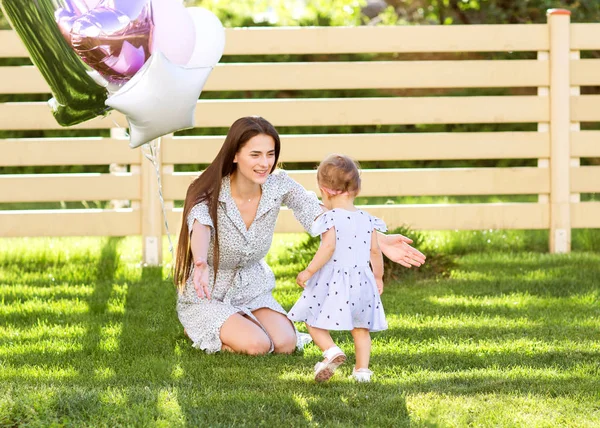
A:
(339, 174)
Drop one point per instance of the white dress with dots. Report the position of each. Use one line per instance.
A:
(343, 294)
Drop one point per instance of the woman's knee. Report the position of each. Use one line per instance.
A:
(257, 345)
(285, 345)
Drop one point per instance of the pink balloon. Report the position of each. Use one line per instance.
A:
(174, 32)
(210, 38)
(114, 38)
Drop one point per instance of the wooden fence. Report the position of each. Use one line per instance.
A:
(557, 108)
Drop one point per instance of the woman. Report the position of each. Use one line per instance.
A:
(225, 287)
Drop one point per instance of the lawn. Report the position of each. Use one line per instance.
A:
(90, 338)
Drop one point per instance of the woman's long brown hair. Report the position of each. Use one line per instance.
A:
(207, 187)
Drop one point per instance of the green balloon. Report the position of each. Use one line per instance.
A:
(77, 97)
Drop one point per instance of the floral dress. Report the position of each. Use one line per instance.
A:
(343, 295)
(244, 281)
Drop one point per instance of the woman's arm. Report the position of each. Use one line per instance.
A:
(397, 249)
(199, 243)
(321, 257)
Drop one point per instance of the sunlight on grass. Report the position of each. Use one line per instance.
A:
(114, 397)
(170, 413)
(302, 403)
(42, 307)
(521, 300)
(109, 337)
(178, 372)
(509, 339)
(430, 409)
(38, 373)
(104, 373)
(41, 330)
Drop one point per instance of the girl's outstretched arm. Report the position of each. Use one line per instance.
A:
(377, 262)
(321, 257)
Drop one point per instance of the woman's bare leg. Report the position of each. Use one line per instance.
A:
(280, 330)
(239, 334)
(362, 346)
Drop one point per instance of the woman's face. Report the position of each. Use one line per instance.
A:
(256, 158)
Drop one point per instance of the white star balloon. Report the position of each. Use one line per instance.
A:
(160, 98)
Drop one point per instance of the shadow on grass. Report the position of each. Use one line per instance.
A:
(133, 366)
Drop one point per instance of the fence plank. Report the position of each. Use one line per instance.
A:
(318, 112)
(66, 151)
(585, 215)
(69, 223)
(415, 182)
(374, 39)
(11, 46)
(390, 147)
(433, 217)
(585, 144)
(585, 72)
(68, 187)
(585, 179)
(585, 108)
(364, 39)
(585, 37)
(336, 75)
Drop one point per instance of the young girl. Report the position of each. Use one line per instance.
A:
(341, 290)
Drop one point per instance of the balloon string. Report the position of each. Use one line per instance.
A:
(152, 155)
(126, 134)
(151, 151)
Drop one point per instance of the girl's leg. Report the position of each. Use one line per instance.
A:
(239, 334)
(321, 337)
(333, 356)
(362, 346)
(280, 330)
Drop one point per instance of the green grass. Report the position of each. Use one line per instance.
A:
(90, 338)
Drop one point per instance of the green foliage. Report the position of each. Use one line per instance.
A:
(285, 12)
(439, 263)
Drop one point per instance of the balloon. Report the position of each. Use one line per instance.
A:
(161, 98)
(114, 38)
(174, 32)
(77, 97)
(71, 10)
(210, 38)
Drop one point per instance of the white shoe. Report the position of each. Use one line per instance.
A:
(362, 375)
(334, 357)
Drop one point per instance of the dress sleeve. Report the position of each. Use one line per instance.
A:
(378, 224)
(199, 213)
(322, 224)
(304, 204)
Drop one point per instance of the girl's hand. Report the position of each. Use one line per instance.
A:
(200, 279)
(379, 282)
(303, 277)
(397, 249)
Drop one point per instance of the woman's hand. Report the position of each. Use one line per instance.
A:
(397, 249)
(303, 277)
(200, 279)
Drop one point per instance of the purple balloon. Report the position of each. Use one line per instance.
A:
(69, 11)
(114, 38)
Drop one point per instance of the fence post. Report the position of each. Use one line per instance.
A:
(559, 21)
(150, 212)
